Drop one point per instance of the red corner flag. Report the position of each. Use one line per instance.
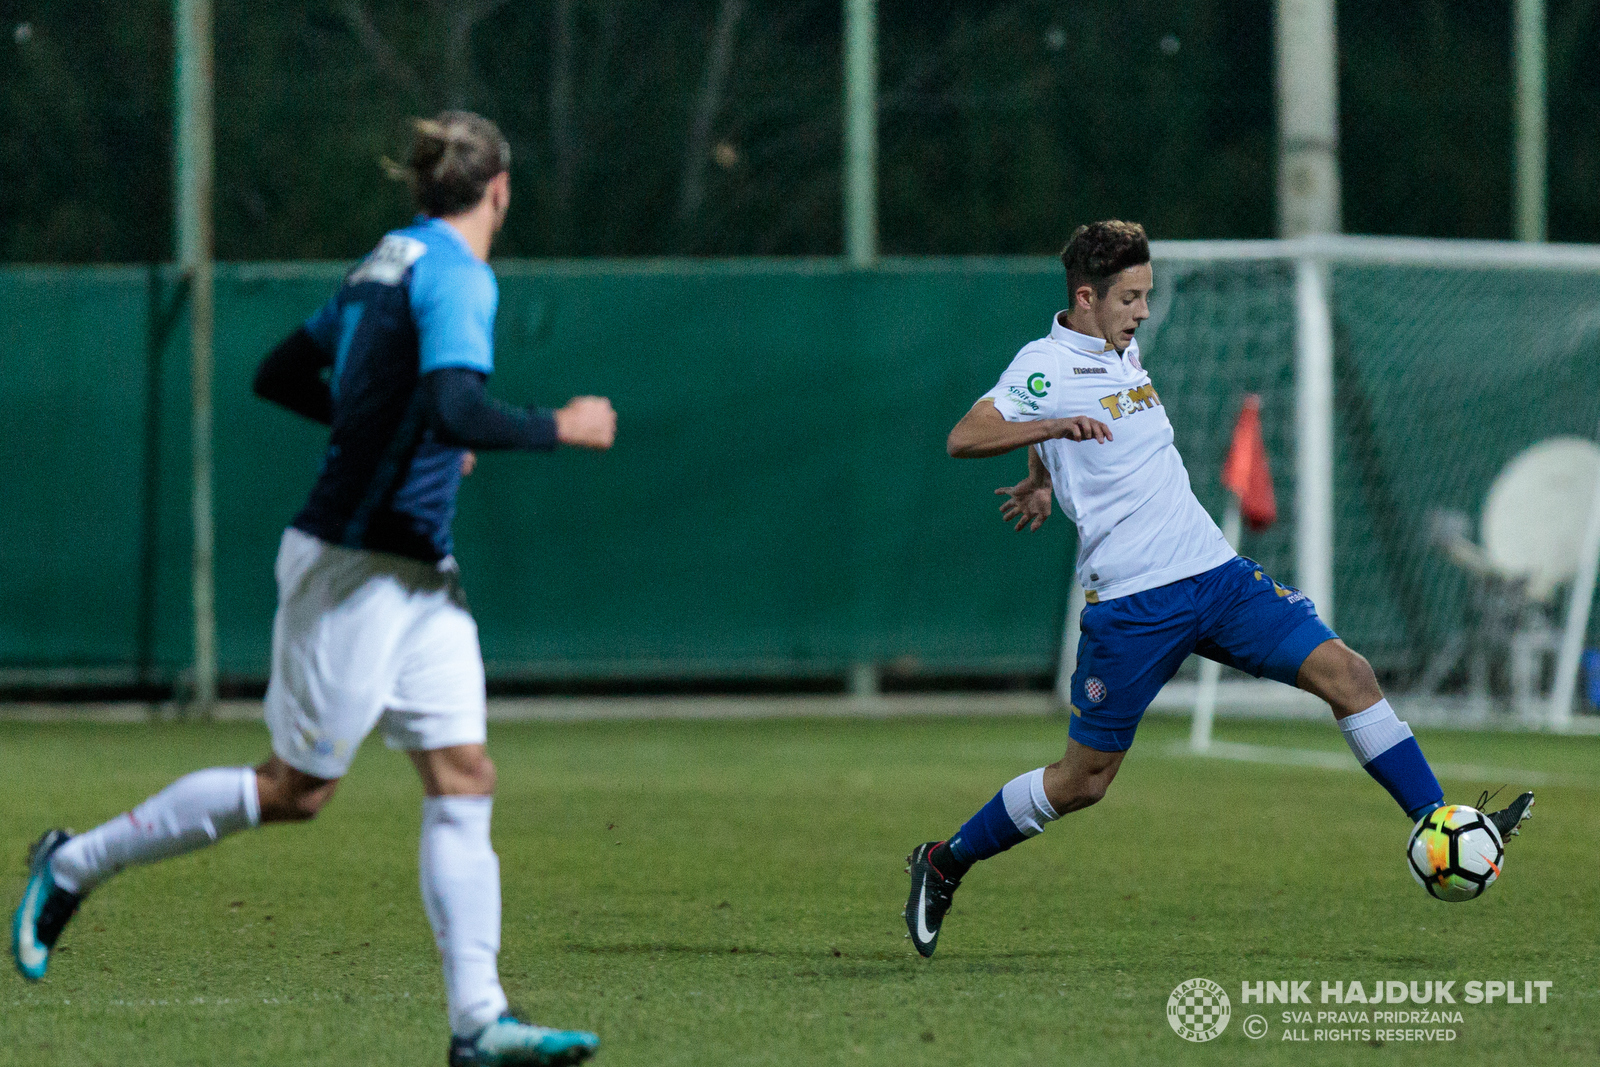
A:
(1245, 472)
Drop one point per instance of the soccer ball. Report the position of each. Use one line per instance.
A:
(1455, 853)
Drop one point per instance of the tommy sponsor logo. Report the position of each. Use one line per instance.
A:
(1130, 401)
(1088, 370)
(1094, 689)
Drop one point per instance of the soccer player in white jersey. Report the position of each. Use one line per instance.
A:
(1160, 579)
(372, 630)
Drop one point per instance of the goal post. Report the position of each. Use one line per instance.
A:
(1399, 376)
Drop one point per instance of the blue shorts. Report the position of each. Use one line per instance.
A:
(1133, 645)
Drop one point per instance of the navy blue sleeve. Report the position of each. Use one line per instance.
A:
(291, 376)
(463, 414)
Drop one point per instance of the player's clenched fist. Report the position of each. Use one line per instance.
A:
(1082, 428)
(587, 422)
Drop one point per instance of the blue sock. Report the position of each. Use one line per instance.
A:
(988, 833)
(1404, 772)
(1389, 753)
(1019, 811)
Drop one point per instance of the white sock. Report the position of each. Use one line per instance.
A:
(461, 892)
(1026, 803)
(1373, 732)
(193, 812)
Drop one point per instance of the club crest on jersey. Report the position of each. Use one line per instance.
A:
(1094, 689)
(1130, 401)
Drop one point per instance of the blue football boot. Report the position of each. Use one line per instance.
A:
(509, 1041)
(44, 910)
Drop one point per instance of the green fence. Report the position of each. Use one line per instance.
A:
(779, 502)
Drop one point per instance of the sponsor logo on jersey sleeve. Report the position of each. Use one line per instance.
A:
(1022, 402)
(1038, 385)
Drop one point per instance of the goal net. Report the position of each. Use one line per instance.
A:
(1448, 360)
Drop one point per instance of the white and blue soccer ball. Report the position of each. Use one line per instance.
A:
(1455, 852)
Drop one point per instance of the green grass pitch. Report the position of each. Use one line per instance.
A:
(729, 893)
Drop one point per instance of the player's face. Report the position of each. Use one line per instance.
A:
(1126, 304)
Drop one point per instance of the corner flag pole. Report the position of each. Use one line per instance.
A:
(192, 190)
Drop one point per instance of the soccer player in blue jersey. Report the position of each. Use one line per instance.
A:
(1160, 579)
(372, 629)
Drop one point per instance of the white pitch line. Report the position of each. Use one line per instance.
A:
(1329, 760)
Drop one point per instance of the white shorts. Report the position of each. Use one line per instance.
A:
(363, 638)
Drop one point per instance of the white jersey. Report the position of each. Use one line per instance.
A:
(1139, 524)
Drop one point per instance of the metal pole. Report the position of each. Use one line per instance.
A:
(1077, 600)
(193, 168)
(861, 132)
(1531, 183)
(1313, 396)
(1308, 118)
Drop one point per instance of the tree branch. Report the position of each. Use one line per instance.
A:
(379, 50)
(692, 193)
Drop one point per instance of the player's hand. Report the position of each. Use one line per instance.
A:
(469, 460)
(1027, 502)
(587, 422)
(1082, 428)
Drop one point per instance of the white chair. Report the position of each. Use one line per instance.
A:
(1532, 531)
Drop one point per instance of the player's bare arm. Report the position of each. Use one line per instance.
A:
(984, 432)
(1028, 502)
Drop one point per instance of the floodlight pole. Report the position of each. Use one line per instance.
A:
(1308, 204)
(1531, 129)
(861, 132)
(192, 194)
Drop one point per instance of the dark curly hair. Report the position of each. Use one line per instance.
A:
(1100, 251)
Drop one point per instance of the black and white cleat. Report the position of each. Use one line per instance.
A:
(1508, 819)
(931, 894)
